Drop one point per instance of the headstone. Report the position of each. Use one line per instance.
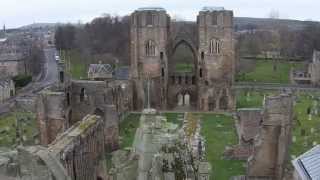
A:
(312, 130)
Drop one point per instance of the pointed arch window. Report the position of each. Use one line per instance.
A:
(150, 48)
(215, 46)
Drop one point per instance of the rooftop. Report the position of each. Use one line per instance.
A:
(212, 8)
(151, 9)
(308, 164)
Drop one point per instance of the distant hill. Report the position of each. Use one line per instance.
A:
(39, 25)
(241, 23)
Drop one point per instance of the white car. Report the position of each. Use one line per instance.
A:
(57, 58)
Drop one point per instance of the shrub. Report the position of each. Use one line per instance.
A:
(22, 80)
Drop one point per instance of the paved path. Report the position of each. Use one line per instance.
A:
(274, 86)
(48, 76)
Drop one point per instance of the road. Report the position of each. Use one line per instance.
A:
(48, 76)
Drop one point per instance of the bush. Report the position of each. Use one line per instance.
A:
(22, 80)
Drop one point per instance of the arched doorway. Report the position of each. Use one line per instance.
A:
(182, 73)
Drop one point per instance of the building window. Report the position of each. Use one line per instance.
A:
(61, 77)
(193, 80)
(214, 18)
(215, 46)
(173, 80)
(68, 99)
(82, 94)
(200, 72)
(161, 55)
(202, 55)
(150, 48)
(162, 72)
(179, 80)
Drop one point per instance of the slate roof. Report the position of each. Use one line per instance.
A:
(100, 68)
(122, 73)
(308, 164)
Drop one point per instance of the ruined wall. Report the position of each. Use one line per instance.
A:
(81, 149)
(149, 34)
(248, 123)
(216, 60)
(50, 115)
(271, 147)
(214, 55)
(78, 153)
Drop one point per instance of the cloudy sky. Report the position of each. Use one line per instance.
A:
(15, 13)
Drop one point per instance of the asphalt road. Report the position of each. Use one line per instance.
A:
(48, 76)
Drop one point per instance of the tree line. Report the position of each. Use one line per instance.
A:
(103, 35)
(290, 43)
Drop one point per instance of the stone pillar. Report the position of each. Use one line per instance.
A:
(111, 128)
(50, 115)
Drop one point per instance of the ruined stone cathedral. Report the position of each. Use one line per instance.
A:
(154, 40)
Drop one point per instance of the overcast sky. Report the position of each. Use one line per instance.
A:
(15, 13)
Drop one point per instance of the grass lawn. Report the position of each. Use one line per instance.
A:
(303, 135)
(78, 65)
(265, 73)
(173, 118)
(128, 129)
(130, 124)
(184, 67)
(219, 132)
(251, 99)
(8, 128)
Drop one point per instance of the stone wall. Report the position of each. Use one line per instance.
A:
(51, 113)
(272, 145)
(208, 86)
(81, 149)
(78, 153)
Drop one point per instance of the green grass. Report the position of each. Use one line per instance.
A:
(219, 132)
(302, 123)
(78, 64)
(265, 73)
(173, 118)
(251, 99)
(8, 128)
(128, 129)
(184, 67)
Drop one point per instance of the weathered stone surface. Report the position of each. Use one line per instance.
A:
(208, 86)
(272, 145)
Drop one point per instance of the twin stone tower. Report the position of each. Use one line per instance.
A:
(158, 83)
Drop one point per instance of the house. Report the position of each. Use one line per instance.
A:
(7, 89)
(100, 71)
(307, 166)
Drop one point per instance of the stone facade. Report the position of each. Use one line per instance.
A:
(153, 43)
(78, 153)
(51, 115)
(69, 101)
(272, 144)
(314, 68)
(7, 89)
(11, 59)
(248, 122)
